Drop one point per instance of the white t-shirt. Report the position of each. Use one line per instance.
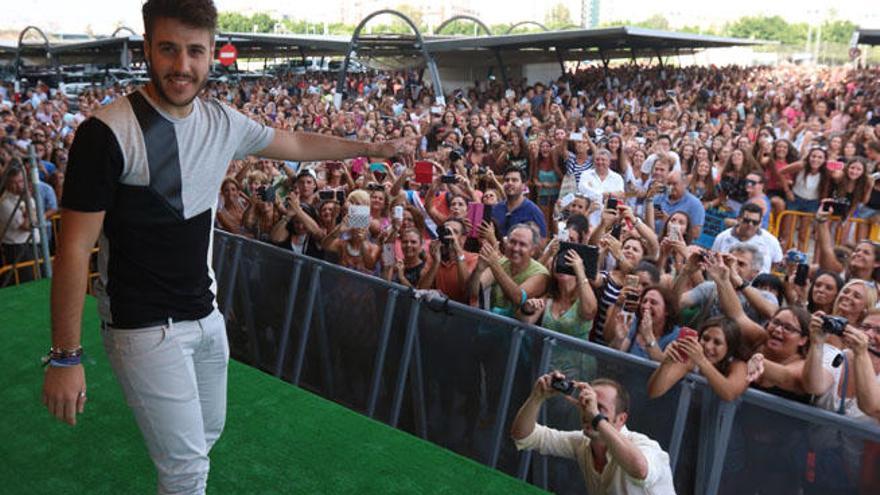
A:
(14, 235)
(613, 479)
(648, 164)
(592, 186)
(763, 241)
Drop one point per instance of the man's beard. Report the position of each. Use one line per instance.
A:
(157, 83)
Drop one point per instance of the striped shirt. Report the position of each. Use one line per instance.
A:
(573, 167)
(607, 295)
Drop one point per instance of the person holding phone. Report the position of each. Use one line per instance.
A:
(569, 305)
(714, 352)
(652, 329)
(450, 266)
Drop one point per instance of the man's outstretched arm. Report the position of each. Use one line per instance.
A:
(309, 146)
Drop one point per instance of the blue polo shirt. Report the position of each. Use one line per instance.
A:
(687, 203)
(526, 212)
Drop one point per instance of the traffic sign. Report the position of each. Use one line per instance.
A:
(228, 55)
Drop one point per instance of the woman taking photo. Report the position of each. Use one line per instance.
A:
(653, 328)
(715, 354)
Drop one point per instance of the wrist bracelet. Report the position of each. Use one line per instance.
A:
(67, 362)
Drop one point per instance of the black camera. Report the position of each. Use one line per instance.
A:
(442, 235)
(375, 187)
(563, 385)
(454, 156)
(834, 325)
(448, 179)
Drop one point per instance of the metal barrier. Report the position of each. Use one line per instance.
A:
(455, 375)
(841, 230)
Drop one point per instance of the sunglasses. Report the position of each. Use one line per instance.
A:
(749, 221)
(750, 182)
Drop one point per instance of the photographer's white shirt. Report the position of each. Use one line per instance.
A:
(613, 480)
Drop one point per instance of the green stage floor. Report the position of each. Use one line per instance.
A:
(278, 438)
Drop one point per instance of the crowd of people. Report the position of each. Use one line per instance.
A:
(672, 175)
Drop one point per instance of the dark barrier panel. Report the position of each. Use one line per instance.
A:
(456, 376)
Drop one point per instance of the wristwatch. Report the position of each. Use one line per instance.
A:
(742, 286)
(652, 344)
(461, 257)
(598, 419)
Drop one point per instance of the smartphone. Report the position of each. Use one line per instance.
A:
(267, 194)
(358, 216)
(576, 136)
(562, 235)
(611, 204)
(327, 195)
(616, 230)
(340, 196)
(372, 186)
(801, 273)
(674, 232)
(475, 217)
(377, 167)
(589, 255)
(566, 200)
(331, 166)
(397, 212)
(448, 179)
(424, 172)
(357, 166)
(834, 166)
(631, 303)
(686, 332)
(388, 258)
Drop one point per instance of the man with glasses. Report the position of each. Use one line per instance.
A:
(748, 231)
(756, 195)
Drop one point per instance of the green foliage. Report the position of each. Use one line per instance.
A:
(464, 27)
(234, 22)
(767, 28)
(656, 21)
(558, 17)
(838, 30)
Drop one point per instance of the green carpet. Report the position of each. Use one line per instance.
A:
(278, 438)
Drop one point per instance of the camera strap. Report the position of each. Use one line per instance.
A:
(841, 409)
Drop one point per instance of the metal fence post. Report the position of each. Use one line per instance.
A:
(506, 391)
(725, 417)
(379, 364)
(706, 441)
(324, 350)
(247, 310)
(418, 390)
(288, 318)
(41, 217)
(233, 278)
(525, 458)
(314, 287)
(411, 329)
(681, 416)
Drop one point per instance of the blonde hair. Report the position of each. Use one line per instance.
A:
(870, 296)
(359, 197)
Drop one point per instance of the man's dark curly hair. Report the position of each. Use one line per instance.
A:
(195, 13)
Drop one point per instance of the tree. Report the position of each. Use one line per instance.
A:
(263, 22)
(656, 21)
(558, 17)
(233, 22)
(838, 30)
(767, 28)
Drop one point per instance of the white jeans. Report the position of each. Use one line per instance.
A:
(173, 377)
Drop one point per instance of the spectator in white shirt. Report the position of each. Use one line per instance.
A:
(748, 231)
(663, 147)
(600, 182)
(612, 459)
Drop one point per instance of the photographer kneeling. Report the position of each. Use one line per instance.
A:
(612, 459)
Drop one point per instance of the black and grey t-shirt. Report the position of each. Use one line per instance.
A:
(157, 178)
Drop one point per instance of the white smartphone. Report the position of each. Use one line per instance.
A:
(397, 212)
(358, 216)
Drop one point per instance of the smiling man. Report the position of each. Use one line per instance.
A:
(143, 177)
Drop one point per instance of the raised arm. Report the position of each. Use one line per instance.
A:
(867, 386)
(309, 146)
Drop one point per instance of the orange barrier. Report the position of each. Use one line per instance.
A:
(56, 228)
(802, 223)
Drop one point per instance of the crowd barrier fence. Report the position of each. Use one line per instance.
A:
(456, 375)
(842, 231)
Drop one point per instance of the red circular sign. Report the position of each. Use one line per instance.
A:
(228, 55)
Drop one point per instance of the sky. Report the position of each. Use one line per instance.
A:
(102, 16)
